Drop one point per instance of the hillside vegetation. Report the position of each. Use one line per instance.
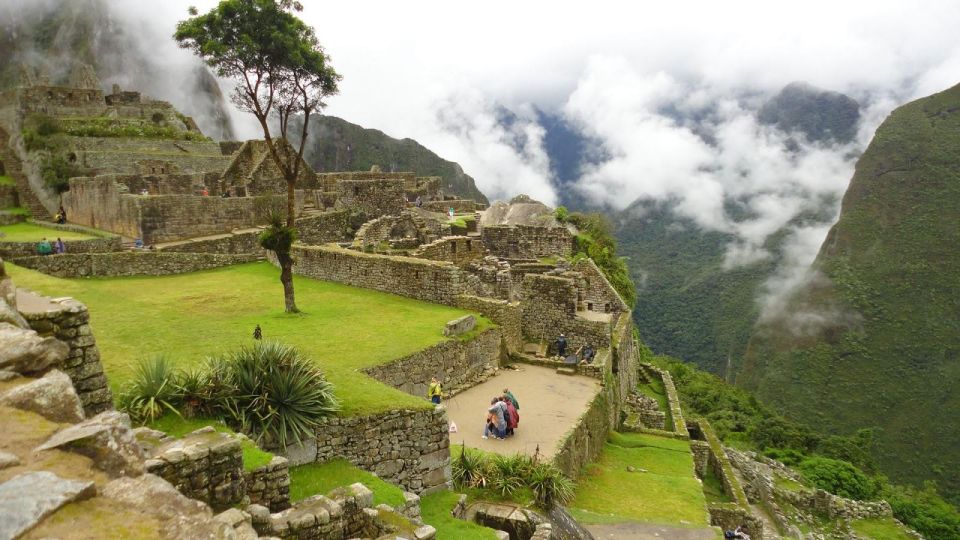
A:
(874, 340)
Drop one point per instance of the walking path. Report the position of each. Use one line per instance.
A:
(550, 405)
(646, 531)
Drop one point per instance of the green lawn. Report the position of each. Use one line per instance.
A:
(881, 529)
(435, 510)
(321, 478)
(176, 426)
(28, 232)
(189, 316)
(668, 493)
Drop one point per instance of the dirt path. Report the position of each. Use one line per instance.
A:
(646, 531)
(550, 405)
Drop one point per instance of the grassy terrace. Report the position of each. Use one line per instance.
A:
(667, 493)
(28, 232)
(187, 317)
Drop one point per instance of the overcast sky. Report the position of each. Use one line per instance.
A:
(437, 71)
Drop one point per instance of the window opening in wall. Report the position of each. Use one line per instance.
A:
(589, 306)
(453, 247)
(606, 307)
(356, 190)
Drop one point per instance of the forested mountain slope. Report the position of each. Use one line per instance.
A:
(874, 338)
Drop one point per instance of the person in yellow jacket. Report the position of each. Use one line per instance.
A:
(435, 392)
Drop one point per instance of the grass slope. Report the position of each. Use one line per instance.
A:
(881, 529)
(320, 478)
(28, 232)
(435, 510)
(668, 493)
(888, 354)
(189, 316)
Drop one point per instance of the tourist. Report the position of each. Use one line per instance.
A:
(59, 247)
(513, 417)
(419, 202)
(257, 333)
(435, 392)
(44, 247)
(562, 346)
(490, 426)
(205, 192)
(144, 192)
(738, 533)
(499, 410)
(58, 218)
(509, 395)
(587, 354)
(61, 215)
(138, 243)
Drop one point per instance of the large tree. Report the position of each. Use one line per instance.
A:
(282, 73)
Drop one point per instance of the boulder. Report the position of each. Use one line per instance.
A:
(52, 397)
(8, 460)
(106, 439)
(27, 499)
(24, 351)
(10, 315)
(181, 516)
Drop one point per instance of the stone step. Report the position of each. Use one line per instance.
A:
(567, 370)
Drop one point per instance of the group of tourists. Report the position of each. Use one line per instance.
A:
(503, 416)
(584, 354)
(45, 247)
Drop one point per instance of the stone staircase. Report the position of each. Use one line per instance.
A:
(13, 168)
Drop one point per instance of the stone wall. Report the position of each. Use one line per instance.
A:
(598, 293)
(650, 371)
(377, 197)
(433, 281)
(456, 249)
(332, 226)
(8, 196)
(343, 513)
(129, 263)
(406, 230)
(410, 448)
(457, 364)
(235, 243)
(204, 465)
(527, 242)
(69, 321)
(585, 442)
(549, 307)
(97, 202)
(502, 312)
(165, 218)
(460, 206)
(17, 250)
(269, 485)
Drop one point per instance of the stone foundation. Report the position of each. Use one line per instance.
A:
(457, 364)
(404, 447)
(204, 465)
(68, 320)
(269, 485)
(129, 263)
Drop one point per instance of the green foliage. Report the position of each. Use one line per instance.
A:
(887, 356)
(436, 510)
(57, 172)
(508, 475)
(127, 128)
(597, 242)
(277, 237)
(152, 392)
(275, 393)
(838, 477)
(561, 214)
(924, 510)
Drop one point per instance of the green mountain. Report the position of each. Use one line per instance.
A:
(874, 338)
(338, 145)
(819, 114)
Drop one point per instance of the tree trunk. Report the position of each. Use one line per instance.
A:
(291, 203)
(286, 278)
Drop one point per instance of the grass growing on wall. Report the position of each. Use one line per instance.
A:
(881, 529)
(6, 181)
(321, 478)
(189, 316)
(28, 232)
(667, 493)
(435, 510)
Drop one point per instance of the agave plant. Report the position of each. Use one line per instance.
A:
(550, 486)
(507, 474)
(470, 470)
(152, 391)
(275, 393)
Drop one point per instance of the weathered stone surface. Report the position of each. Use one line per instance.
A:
(27, 499)
(302, 453)
(182, 517)
(106, 439)
(10, 315)
(460, 325)
(51, 396)
(24, 351)
(8, 460)
(7, 375)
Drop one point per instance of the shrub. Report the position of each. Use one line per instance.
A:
(550, 486)
(273, 392)
(561, 214)
(838, 477)
(470, 470)
(151, 392)
(57, 172)
(509, 473)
